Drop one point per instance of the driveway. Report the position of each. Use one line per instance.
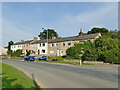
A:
(50, 75)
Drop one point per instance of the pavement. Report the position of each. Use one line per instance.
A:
(49, 75)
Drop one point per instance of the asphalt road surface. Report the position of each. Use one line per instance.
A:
(69, 76)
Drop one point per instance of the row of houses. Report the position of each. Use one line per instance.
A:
(52, 47)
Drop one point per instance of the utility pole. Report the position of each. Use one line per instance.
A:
(47, 42)
(47, 45)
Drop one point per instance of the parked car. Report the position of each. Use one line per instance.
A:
(43, 58)
(29, 58)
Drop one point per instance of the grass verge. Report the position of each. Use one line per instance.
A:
(12, 58)
(14, 78)
(73, 63)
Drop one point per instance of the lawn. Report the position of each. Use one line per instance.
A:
(14, 78)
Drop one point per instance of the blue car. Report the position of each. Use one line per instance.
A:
(43, 58)
(29, 58)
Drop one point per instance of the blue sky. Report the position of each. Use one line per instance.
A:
(25, 20)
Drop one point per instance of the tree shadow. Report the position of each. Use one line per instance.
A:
(7, 83)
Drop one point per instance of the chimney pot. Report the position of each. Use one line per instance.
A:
(35, 38)
(53, 37)
(80, 33)
(22, 40)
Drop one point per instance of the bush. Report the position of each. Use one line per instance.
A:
(28, 53)
(75, 51)
(16, 53)
(108, 49)
(90, 53)
(57, 58)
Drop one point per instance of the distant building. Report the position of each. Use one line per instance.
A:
(54, 47)
(3, 51)
(58, 46)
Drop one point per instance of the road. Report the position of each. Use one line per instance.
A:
(69, 76)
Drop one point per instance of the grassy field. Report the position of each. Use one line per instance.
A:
(14, 78)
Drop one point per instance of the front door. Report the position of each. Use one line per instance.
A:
(57, 52)
(38, 51)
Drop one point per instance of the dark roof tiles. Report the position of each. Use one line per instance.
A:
(73, 38)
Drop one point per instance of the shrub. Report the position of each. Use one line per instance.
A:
(57, 58)
(75, 51)
(16, 53)
(28, 53)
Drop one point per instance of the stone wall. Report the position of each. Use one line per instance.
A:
(69, 60)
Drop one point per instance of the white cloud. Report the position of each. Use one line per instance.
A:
(102, 17)
(10, 32)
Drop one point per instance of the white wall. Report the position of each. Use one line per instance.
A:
(3, 50)
(42, 48)
(16, 47)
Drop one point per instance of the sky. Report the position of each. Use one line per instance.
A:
(25, 20)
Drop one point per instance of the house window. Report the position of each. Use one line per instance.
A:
(26, 51)
(32, 51)
(52, 51)
(26, 45)
(43, 51)
(69, 43)
(38, 51)
(56, 44)
(14, 46)
(52, 45)
(43, 44)
(63, 44)
(81, 41)
(40, 44)
(18, 45)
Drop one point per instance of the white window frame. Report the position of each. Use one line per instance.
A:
(68, 43)
(63, 43)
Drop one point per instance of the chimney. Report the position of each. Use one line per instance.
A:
(80, 33)
(53, 37)
(22, 40)
(35, 38)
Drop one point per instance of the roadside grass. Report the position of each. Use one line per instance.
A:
(14, 78)
(73, 63)
(12, 58)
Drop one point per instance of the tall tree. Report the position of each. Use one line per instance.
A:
(98, 30)
(51, 33)
(108, 49)
(9, 44)
(75, 51)
(90, 53)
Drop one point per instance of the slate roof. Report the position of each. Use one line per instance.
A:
(24, 42)
(73, 38)
(39, 41)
